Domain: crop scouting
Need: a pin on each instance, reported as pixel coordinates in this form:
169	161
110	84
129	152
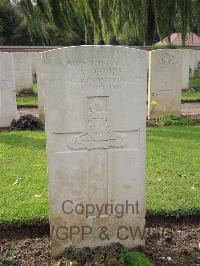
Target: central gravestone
95	104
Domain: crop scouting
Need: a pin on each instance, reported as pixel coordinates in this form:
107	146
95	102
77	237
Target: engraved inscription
99	132
167	59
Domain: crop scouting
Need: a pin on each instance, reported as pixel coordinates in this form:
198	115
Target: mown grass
195	80
194	83
28	97
191	96
23	178
29	100
173	175
35	89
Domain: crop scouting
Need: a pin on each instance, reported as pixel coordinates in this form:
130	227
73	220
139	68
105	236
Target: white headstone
23	70
165	82
191	58
185	69
8	106
95	113
196	58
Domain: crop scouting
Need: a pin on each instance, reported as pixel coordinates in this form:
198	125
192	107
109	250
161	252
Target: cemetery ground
193	93
28	97
191	96
172	191
32	100
172	176
172	173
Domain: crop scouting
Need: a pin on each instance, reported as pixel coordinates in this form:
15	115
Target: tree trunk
149	36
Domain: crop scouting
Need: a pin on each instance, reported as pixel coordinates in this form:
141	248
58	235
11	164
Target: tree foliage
109	21
24	22
13	26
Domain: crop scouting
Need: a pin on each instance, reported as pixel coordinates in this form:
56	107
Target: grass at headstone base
33	100
116	255
28	96
194	83
195	79
191	96
28	100
23	177
173	175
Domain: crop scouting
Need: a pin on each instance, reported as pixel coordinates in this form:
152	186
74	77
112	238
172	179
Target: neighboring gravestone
8	106
196	58
185	69
23	70
95	114
37	65
165	82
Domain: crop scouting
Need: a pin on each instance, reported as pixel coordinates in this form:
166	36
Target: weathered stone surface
185	68
23	70
193	59
8	106
165	82
95	105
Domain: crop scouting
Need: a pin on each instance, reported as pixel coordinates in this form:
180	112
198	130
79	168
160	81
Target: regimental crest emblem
99	133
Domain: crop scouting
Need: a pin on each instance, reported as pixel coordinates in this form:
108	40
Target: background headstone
8	106
191	59
23	70
196	58
95	114
165	82
185	68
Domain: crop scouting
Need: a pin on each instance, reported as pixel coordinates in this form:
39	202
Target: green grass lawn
194	83
191	96
28	100
23	178
35	89
173	175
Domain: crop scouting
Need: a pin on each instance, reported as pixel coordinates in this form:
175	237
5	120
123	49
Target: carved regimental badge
99	134
167	59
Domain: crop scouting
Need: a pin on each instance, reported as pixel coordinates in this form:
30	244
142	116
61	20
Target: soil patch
168	242
21	94
24	111
190	109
